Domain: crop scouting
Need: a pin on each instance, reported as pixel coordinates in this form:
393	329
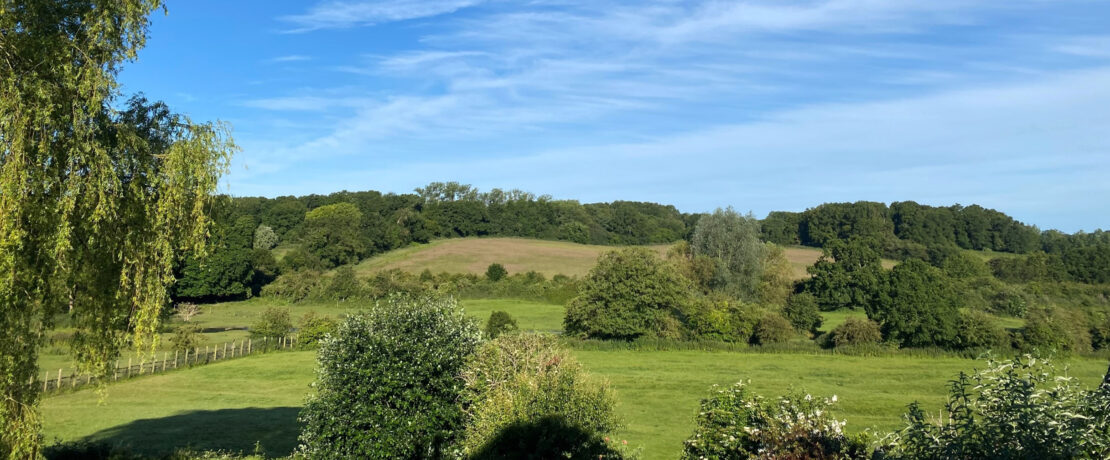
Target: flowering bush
735	423
388	382
1019	409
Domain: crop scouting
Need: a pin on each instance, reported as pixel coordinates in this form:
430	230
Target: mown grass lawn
233	404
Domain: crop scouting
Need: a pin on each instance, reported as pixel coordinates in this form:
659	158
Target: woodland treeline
326	231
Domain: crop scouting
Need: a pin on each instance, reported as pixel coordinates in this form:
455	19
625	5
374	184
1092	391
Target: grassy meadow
233	404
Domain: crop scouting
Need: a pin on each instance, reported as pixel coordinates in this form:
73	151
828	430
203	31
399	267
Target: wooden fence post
249	349
115	371
225	350
45	379
128	367
73	379
175	359
59	385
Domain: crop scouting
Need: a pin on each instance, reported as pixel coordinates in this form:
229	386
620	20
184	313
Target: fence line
180	359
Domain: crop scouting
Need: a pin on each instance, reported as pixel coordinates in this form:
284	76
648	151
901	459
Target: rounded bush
772	328
388	382
495	272
499	323
856	331
802	311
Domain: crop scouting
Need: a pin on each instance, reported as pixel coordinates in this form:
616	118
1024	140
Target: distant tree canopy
732	241
331	233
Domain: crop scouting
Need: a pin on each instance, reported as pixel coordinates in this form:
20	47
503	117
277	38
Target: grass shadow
234	430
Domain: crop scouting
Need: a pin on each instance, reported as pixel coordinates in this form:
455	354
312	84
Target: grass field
227	322
474	255
233	404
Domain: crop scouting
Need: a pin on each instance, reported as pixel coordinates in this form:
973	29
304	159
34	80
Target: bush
802	312
344	284
976	329
495	272
856	332
387	382
526	397
294	286
772	328
314	329
735	423
186	337
274	323
499	323
719	318
1021	409
1055	329
628	294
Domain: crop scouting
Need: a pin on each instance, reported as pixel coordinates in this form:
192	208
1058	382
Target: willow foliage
94	202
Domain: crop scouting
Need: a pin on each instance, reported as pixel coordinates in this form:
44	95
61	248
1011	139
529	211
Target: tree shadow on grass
234	430
547	438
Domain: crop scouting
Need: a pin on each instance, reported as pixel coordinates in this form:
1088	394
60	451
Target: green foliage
919	307
499	323
313	329
1055	329
344	284
526	397
736	423
495	272
772	328
976	329
1037	266
776	281
841	221
294	286
98	197
802	312
265	237
388	382
630	293
274	322
720	318
331	233
186	337
849	274
733	242
1020	409
856	332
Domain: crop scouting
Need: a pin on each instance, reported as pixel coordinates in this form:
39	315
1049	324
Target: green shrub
273	323
314	329
344	284
495	272
976	329
626	295
719	318
294	286
856	332
1021	409
186	337
387	382
526	397
301	259
735	423
772	328
1055	329
499	323
803	313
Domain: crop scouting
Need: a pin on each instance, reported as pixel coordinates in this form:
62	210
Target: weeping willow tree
97	198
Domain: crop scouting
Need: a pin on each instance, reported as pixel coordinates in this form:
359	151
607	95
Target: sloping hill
474	255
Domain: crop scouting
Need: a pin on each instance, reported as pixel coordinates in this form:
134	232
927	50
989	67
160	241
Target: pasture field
474	255
228	322
233	404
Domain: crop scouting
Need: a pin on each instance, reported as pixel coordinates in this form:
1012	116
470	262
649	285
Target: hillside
474	255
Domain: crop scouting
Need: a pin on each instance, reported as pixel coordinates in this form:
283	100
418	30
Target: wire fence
170	360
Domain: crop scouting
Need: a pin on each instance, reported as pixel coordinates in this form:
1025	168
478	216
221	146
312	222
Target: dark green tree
849	274
331	232
918	307
495	272
628	294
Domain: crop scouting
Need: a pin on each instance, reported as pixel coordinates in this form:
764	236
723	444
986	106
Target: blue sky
762	105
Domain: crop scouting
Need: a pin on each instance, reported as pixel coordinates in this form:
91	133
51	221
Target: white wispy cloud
290	58
340	14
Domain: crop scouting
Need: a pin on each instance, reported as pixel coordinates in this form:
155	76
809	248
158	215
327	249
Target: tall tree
733	240
95	204
332	233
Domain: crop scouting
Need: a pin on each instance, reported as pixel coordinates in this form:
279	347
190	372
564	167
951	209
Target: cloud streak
341	15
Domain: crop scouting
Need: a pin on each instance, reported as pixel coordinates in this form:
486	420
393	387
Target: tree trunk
1106	379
